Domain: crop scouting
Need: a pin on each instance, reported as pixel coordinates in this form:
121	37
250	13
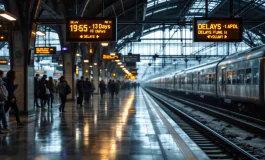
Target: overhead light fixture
86	61
95	64
104	44
86	71
40	33
119	63
122	66
90	66
91	51
78	55
7	16
117	60
61	65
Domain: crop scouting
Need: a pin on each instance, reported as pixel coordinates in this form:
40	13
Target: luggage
79	100
3	93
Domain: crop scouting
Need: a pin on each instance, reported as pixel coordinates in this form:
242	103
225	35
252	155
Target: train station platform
130	126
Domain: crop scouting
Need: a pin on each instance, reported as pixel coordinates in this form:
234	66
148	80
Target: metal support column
103	7
206	8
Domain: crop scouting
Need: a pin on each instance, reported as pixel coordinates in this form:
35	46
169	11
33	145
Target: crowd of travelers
8	99
47	90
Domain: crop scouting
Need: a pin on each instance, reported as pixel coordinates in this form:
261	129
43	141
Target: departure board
45	50
96	29
217	29
3	62
110	56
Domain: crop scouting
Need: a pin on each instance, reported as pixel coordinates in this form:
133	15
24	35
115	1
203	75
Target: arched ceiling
152	13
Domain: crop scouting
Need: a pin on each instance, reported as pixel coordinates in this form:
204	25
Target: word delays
217	30
96	29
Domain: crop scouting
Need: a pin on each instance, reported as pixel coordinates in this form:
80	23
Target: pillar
69	72
21	42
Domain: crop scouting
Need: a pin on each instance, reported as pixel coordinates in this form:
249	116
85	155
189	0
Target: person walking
63	91
102	88
112	88
80	88
117	87
11	99
93	87
36	90
52	89
87	88
44	91
4	95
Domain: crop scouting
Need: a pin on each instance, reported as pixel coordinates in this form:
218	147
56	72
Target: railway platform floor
130	126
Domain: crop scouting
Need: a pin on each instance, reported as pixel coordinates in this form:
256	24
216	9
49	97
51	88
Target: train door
223	85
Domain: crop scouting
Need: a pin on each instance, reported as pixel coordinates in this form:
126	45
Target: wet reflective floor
105	129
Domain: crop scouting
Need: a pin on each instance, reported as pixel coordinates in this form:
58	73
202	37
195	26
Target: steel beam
50	10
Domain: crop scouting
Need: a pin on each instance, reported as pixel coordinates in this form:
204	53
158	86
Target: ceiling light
122	66
117	60
7	16
90	66
119	63
61	65
112	54
95	64
40	33
77	54
86	61
104	44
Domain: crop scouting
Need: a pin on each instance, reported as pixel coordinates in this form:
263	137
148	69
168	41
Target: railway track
212	143
250	124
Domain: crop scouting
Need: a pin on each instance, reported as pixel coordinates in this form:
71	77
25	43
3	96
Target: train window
248	77
229	77
234	77
208	79
202	79
194	79
255	74
213	78
240	76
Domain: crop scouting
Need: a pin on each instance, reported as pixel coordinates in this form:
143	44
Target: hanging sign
99	29
45	50
217	30
132	58
110	56
3	62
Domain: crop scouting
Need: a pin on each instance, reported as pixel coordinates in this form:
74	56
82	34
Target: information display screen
3	62
132	58
96	29
110	56
217	30
45	50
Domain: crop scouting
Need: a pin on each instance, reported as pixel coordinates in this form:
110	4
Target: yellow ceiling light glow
7	15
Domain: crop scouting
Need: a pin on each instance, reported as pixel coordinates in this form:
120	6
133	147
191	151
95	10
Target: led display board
217	29
3	62
45	50
110	56
3	36
132	58
96	29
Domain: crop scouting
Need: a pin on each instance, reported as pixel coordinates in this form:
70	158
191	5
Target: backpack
3	93
68	89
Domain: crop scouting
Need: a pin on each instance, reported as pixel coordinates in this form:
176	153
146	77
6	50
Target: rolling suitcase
79	100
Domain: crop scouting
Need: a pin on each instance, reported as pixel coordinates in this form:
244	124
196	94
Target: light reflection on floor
104	129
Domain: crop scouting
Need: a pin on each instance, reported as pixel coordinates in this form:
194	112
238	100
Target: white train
237	79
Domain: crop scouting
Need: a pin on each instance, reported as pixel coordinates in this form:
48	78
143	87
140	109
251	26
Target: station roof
141	17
